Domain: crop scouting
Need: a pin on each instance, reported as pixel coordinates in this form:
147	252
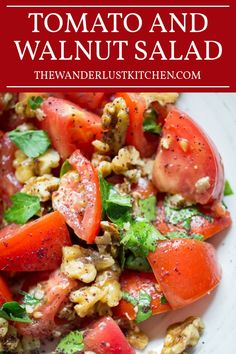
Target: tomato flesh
78	198
133	282
105	337
35	246
187	161
185	269
5	293
69	126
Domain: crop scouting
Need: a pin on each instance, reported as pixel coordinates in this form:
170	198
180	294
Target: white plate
216	113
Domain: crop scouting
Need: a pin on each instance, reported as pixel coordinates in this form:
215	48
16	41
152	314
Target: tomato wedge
69	126
78	198
145	143
187	161
5	293
35	246
105	337
185	269
206	225
133	282
88	100
56	289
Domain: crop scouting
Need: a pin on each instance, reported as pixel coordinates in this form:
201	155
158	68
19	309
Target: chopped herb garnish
29	299
34	102
32	142
104	190
23	208
150	124
163	300
143	304
137	263
71	343
183	234
147	208
228	190
13	311
141	238
66	166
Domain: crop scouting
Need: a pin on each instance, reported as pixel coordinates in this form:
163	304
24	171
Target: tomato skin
69	126
57	289
35	246
105	337
88	100
5	293
83	188
145	188
185	269
199	224
179	167
145	143
9	183
133	282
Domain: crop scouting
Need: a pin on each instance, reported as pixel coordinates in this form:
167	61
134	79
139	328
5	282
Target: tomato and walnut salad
106	204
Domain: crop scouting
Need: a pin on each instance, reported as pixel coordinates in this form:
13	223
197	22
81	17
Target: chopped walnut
7	101
42	186
183	335
202	184
162	97
23	108
137	338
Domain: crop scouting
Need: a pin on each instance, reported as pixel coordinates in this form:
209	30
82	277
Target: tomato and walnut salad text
106	203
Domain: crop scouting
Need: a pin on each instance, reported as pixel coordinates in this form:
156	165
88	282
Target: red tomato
69	126
105	337
56	289
34	246
78	198
145	143
87	100
133	282
185	156
199	224
9	184
5	293
185	269
145	188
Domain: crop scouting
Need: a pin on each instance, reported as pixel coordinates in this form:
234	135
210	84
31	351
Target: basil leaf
116	198
137	263
29	299
24	207
147	208
66	166
228	190
13	311
141	238
104	190
32	142
71	343
34	102
150	124
163	300
144	307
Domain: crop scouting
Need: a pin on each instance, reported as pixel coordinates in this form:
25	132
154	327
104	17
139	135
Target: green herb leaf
183	234
29	299
228	190
66	166
24	207
144	307
32	142
104	190
129	298
119	199
141	238
71	343
13	311
176	216
34	102
163	300
147	208
137	263
150	124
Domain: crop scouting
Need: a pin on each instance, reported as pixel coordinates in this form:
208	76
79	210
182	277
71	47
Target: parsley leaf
29	299
141	238
32	142
163	300
13	311
143	304
150	124
24	207
66	166
137	263
71	343
228	190
183	234
147	208
34	102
